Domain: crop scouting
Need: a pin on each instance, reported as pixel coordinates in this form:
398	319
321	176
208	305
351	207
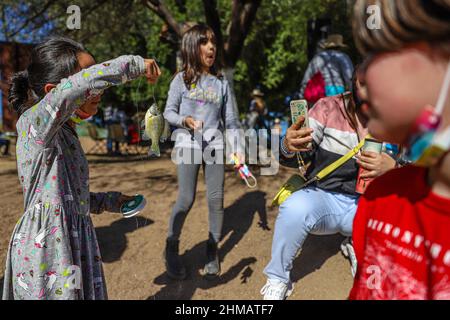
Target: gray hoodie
209	100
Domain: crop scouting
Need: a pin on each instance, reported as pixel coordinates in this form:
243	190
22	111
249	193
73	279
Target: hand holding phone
299	111
299	108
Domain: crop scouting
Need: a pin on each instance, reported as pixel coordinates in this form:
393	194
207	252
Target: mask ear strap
444	92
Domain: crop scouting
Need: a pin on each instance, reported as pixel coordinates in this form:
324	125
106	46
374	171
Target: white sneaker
349	252
276	290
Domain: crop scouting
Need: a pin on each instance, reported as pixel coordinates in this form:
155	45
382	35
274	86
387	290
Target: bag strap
324	172
335	165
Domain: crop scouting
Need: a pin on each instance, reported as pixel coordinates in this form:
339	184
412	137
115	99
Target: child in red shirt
401	231
401	239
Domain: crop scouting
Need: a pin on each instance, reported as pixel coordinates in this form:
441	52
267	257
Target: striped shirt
333	137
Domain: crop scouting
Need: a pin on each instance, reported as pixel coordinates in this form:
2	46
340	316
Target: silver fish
156	129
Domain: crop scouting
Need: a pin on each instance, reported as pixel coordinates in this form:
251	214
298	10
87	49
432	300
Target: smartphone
300	108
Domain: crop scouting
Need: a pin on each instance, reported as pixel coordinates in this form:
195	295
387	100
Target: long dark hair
50	62
356	98
190	52
355	102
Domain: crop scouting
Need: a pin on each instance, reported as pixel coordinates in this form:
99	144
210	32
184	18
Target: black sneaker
174	265
212	266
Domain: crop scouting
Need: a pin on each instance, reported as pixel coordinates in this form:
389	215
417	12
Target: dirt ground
132	248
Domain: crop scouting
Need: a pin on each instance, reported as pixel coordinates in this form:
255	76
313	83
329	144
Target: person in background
122	119
4	143
110	118
257	111
329	72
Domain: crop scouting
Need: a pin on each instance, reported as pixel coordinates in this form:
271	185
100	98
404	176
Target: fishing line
136	102
136	98
153	92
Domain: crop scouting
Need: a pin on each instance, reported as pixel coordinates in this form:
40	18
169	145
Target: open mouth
210	57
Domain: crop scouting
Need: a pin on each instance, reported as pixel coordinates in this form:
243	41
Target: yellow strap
323	173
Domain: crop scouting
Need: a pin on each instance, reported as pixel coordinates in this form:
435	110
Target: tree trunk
243	15
229	76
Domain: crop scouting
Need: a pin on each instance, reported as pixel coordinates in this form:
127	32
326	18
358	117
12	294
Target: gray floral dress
53	253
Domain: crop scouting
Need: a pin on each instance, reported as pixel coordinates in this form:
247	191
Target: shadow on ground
112	239
237	221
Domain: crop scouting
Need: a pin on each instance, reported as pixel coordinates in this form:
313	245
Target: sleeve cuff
284	151
135	66
140	65
112	202
182	122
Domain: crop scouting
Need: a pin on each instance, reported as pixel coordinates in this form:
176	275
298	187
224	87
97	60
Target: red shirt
401	237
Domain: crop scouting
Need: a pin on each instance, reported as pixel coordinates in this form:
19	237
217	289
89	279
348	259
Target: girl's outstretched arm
48	115
105	201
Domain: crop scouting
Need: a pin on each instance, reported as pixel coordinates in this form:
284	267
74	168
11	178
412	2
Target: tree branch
158	7
181	4
4	23
32	18
213	20
242	16
86	13
94	7
4	86
42	23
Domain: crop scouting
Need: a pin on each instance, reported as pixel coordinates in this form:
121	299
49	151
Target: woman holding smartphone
337	125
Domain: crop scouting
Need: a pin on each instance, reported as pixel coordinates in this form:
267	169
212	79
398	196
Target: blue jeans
187	189
307	211
109	141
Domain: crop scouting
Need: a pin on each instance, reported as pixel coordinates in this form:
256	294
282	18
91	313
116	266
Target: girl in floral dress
53	253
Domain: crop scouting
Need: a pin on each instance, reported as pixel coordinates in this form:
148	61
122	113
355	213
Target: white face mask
426	146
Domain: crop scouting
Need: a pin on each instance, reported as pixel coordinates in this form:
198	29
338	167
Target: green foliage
274	55
121	27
